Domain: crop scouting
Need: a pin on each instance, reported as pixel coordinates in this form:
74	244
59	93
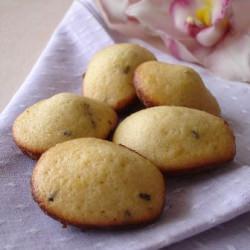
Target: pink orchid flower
212	33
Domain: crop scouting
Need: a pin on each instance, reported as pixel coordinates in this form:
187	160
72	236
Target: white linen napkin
194	203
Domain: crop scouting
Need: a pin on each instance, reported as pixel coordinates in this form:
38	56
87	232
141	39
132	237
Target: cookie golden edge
119	106
199	167
151	102
146	100
192	168
112	225
206	164
35	154
124	103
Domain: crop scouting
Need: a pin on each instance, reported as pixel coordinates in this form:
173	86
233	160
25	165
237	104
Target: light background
25	28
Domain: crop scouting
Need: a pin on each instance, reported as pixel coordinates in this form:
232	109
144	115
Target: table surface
25	28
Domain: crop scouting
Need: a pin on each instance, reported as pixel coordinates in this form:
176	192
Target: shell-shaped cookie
177	139
159	83
61	118
93	183
109	76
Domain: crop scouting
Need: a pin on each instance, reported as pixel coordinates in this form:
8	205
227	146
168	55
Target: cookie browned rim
35	154
112	225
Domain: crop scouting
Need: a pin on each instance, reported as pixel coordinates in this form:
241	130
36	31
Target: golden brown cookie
92	183
177	139
61	118
159	83
109	76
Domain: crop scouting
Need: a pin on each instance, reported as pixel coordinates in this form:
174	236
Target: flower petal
152	14
180	10
210	36
114	11
177	49
221	9
241	17
114	14
227	61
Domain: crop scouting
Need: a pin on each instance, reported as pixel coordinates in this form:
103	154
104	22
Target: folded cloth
194	204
